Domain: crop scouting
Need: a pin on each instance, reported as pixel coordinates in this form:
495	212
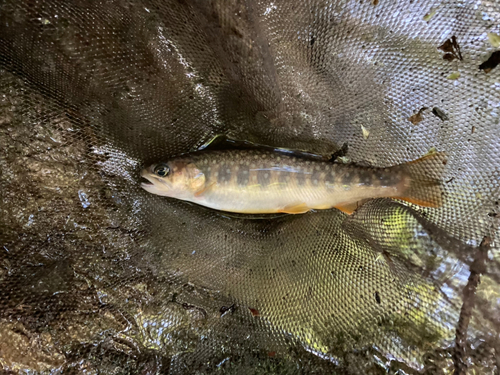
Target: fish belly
274	201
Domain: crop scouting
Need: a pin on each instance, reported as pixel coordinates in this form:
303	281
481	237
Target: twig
476	269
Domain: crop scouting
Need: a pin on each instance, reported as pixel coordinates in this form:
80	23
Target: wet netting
97	276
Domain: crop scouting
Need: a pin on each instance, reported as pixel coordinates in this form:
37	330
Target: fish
265	182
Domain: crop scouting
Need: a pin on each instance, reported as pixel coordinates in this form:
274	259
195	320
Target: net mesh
98	276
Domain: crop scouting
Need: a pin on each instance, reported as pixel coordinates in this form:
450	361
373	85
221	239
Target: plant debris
431	14
365	131
417	117
491	63
452	49
254	312
453	76
439	113
494	39
226	310
340	152
377	297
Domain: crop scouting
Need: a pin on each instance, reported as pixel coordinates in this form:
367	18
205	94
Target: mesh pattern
98	276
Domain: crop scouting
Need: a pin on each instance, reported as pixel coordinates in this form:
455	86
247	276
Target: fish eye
162	170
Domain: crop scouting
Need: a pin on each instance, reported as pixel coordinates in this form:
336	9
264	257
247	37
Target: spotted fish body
251	181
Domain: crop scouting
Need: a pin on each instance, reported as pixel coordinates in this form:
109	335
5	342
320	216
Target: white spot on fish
228	171
216	174
245	172
315	182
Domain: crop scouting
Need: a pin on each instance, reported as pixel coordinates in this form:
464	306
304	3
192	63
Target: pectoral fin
298	208
206	188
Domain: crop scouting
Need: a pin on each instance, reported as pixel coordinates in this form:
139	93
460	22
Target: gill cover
195	178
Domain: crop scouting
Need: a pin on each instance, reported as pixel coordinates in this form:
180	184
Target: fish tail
426	175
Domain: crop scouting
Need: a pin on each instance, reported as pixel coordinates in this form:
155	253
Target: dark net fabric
98	276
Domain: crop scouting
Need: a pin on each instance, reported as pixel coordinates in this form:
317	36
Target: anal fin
298	208
347	208
433	203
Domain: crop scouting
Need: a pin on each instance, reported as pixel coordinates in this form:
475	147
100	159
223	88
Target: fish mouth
145	182
153	185
145	179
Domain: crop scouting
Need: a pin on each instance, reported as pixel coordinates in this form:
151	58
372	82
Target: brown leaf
416	118
491	63
446	46
254	312
452	49
449	57
457	47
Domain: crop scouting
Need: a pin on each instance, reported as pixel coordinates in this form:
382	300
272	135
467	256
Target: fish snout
145	177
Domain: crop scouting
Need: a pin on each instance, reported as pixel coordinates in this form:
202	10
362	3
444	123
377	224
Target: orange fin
204	190
418	202
425	175
432	157
347	208
350	207
299	208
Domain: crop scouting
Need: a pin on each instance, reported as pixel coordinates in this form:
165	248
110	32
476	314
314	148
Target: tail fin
425	180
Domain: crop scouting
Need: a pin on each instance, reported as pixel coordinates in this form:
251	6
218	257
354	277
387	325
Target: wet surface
97	276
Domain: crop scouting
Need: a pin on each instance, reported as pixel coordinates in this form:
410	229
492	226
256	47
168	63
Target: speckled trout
259	182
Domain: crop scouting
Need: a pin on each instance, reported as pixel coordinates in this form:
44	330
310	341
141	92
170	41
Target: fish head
177	179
